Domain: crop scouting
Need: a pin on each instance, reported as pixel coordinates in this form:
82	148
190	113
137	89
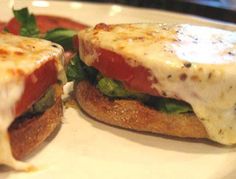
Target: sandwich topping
189	63
28	67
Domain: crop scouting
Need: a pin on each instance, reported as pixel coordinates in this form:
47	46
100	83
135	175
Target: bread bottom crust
132	114
27	134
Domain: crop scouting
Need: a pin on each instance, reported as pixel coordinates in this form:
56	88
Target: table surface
224	10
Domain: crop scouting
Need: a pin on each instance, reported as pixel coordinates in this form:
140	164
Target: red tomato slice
45	23
35	85
115	66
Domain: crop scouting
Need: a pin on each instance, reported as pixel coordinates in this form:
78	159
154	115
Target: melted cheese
193	63
19	57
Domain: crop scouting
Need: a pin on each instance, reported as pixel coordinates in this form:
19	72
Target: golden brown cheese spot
24	54
17	72
195	78
19	53
3	52
103	27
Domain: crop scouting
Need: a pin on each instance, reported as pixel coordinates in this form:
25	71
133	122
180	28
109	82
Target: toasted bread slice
132	114
28	134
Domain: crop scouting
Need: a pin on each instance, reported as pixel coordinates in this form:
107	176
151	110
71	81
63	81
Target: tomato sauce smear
45	23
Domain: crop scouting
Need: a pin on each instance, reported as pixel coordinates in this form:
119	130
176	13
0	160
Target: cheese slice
194	63
19	57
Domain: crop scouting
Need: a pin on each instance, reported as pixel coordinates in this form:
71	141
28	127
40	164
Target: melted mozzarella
19	57
193	63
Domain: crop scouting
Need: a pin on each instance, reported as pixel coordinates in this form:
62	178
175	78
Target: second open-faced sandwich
178	80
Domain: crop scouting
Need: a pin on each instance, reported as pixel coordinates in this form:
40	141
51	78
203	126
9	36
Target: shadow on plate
230	175
185	145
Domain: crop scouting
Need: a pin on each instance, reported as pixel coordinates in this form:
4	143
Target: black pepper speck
231	53
163	93
55	46
209	75
220	131
188	64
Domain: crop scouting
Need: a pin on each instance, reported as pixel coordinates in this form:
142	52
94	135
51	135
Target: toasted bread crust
132	114
27	134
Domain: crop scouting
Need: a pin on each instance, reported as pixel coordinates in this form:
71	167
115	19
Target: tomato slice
45	23
35	85
114	66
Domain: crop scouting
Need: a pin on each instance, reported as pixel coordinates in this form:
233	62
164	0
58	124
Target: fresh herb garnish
62	36
5	29
75	70
78	71
115	89
28	27
171	105
27	21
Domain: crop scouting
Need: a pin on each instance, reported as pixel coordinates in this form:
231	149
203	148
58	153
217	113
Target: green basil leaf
61	36
172	105
115	89
21	15
27	21
75	70
78	71
5	29
44	102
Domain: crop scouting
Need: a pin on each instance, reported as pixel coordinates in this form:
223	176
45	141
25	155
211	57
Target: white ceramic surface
84	148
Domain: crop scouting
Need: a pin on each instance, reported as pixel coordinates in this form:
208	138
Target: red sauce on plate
47	22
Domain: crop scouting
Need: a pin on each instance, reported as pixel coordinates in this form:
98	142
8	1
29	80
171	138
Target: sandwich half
31	78
178	80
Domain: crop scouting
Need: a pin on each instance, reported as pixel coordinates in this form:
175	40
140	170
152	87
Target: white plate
84	148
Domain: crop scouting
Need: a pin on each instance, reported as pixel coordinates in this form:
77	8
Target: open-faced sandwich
178	80
32	77
30	95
